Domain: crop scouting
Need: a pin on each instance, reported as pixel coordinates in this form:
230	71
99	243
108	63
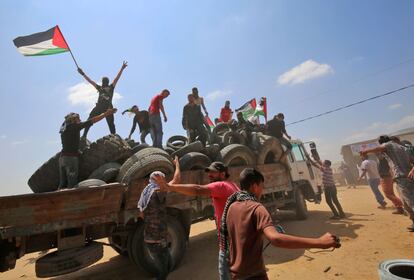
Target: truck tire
106	149
123	251
236	155
70	260
233	137
177	243
145	166
169	150
106	172
139	147
269	150
194	161
195	146
301	210
221	128
90	183
211	151
46	177
145	152
177	141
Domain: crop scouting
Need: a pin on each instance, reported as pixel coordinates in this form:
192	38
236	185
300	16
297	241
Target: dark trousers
199	131
162	258
99	109
285	142
68	171
144	134
332	201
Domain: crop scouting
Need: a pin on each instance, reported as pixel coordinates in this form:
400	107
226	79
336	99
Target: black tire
301	209
169	150
115	244
237	155
131	142
137	157
177	142
106	172
139	147
46	177
90	183
233	137
211	151
194	161
221	128
177	246
110	148
145	166
269	150
195	146
66	261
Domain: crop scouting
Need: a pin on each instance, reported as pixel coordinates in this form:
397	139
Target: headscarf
149	190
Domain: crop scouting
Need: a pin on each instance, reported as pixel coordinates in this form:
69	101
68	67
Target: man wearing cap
219	189
70	135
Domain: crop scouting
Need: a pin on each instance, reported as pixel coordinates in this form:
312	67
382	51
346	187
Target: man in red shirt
226	113
155	118
219	189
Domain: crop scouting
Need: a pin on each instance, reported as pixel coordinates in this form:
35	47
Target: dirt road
369	236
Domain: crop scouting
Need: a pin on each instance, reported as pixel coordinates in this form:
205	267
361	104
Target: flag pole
74	60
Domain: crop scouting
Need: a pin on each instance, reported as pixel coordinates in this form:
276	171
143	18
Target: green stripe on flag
50	51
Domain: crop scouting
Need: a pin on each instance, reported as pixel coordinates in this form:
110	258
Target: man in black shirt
142	119
106	93
70	135
244	127
193	121
276	128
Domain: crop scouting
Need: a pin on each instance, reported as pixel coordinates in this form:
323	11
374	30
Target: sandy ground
369	236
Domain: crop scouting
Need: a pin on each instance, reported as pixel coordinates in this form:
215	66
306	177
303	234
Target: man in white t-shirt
370	170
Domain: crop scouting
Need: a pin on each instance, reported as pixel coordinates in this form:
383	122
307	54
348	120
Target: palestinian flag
248	109
261	109
42	43
209	122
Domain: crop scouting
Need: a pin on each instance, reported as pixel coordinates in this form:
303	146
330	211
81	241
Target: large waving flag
209	122
247	109
42	43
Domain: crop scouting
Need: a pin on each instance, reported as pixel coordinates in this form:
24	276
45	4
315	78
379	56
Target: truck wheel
116	243
145	166
139	147
106	172
221	128
177	141
301	210
211	151
233	137
195	146
236	155
46	177
110	148
137	157
70	260
177	244
269	150
169	150
194	161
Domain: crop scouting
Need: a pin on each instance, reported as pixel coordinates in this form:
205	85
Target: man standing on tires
142	119
193	121
219	189
155	118
276	128
106	93
70	136
246	221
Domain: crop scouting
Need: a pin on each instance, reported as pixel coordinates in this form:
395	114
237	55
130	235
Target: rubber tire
145	166
177	249
237	155
138	156
194	161
387	269
182	141
195	146
269	150
90	183
66	261
106	172
139	147
301	209
233	137
211	151
121	252
169	150
110	148
46	177
221	128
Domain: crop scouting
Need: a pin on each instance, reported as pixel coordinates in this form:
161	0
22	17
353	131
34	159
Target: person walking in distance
246	221
70	137
142	119
106	93
154	110
330	189
370	170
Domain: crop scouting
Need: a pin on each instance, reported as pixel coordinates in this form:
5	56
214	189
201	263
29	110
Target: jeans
374	183
331	199
162	259
223	266
68	171
406	190
144	134
156	130
197	131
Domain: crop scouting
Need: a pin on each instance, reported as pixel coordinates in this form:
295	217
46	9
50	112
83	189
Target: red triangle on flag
58	40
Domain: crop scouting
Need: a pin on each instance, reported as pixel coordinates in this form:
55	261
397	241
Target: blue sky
306	57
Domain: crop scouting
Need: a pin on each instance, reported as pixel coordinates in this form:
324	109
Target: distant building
350	152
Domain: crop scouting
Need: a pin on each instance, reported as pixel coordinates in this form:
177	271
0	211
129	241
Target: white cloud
86	95
394	106
306	71
217	94
375	129
19	142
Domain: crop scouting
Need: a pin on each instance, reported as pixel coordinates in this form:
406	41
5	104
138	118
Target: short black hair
328	162
280	115
250	176
383	139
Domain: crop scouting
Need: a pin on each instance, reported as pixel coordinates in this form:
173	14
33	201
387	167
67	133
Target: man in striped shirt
330	189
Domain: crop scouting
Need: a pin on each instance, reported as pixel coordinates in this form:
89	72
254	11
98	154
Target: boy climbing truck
69	223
